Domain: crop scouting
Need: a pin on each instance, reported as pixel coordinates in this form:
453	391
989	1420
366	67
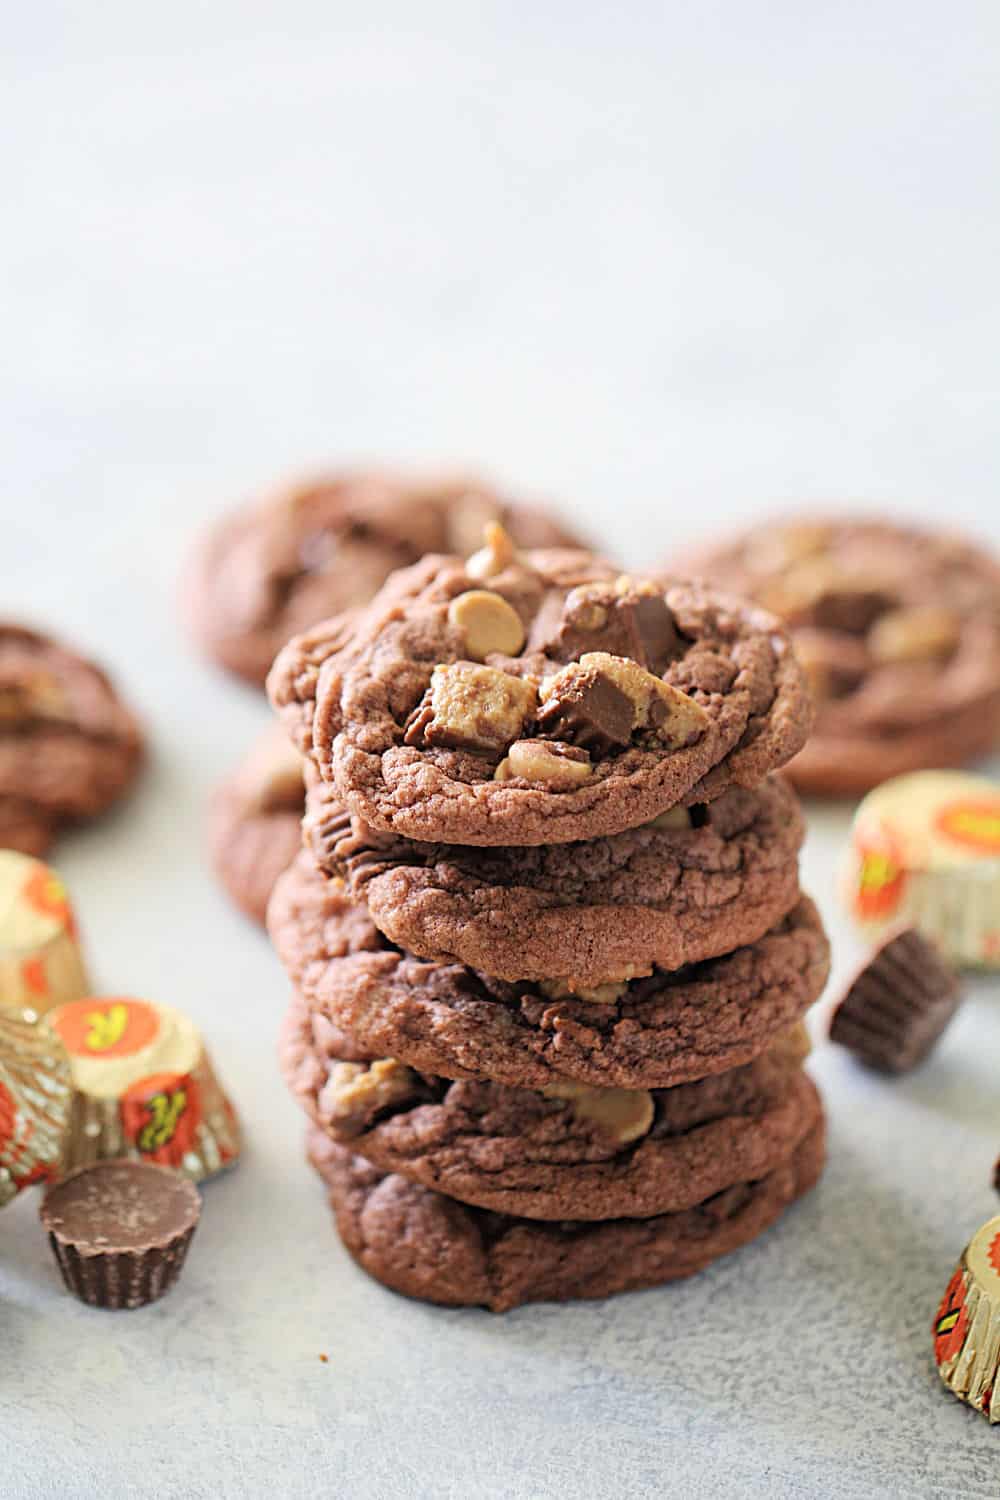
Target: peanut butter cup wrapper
41	965
36	1095
967	1326
925	851
120	1231
144	1087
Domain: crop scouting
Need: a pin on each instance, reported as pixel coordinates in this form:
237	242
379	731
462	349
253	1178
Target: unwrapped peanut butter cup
35	1102
898	1005
120	1231
40	961
144	1087
925	851
967	1326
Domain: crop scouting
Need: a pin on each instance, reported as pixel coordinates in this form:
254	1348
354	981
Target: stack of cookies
549	951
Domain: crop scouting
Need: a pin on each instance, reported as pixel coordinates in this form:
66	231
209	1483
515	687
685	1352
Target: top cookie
275	568
539	698
68	746
898	630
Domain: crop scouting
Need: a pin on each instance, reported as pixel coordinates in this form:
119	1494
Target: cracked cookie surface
626	697
455	1021
898	630
426	1245
565	1151
273	569
69	747
690	885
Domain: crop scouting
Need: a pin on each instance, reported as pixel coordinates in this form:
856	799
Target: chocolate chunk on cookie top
539	698
318	548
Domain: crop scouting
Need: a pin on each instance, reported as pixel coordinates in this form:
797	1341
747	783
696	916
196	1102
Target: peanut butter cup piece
897	1008
121	1230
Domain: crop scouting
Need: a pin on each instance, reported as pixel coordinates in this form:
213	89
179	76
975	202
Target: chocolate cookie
68	746
450	1020
315	549
688	886
898	629
566	1150
255	821
425	1245
541	698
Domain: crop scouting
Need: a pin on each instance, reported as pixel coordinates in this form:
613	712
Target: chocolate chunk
633	623
471	707
120	1231
655	630
588	709
895	1010
835	664
852	610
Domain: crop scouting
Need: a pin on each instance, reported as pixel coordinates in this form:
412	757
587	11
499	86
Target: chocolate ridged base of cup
898	1005
122	1279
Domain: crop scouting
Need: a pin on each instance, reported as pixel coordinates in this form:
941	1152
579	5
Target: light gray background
672	264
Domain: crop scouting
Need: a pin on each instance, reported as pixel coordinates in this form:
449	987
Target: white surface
671	265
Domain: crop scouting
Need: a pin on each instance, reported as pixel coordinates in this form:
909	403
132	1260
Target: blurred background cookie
254	821
898	629
269	571
69	747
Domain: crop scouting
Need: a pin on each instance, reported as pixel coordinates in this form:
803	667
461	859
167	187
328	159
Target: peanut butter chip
470	707
595	994
546	761
279	782
626	1113
38	696
674	817
488	622
584	608
793	1045
918	634
498	553
356	1092
771	550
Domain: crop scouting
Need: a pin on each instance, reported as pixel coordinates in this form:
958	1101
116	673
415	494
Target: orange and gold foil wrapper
143	1087
967	1326
925	851
40	961
36	1097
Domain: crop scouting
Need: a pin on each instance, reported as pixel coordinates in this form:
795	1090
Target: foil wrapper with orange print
966	1329
36	1097
925	851
40	961
144	1087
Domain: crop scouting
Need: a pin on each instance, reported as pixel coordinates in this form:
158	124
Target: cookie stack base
424	1245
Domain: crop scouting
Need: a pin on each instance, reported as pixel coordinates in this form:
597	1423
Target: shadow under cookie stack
549	953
